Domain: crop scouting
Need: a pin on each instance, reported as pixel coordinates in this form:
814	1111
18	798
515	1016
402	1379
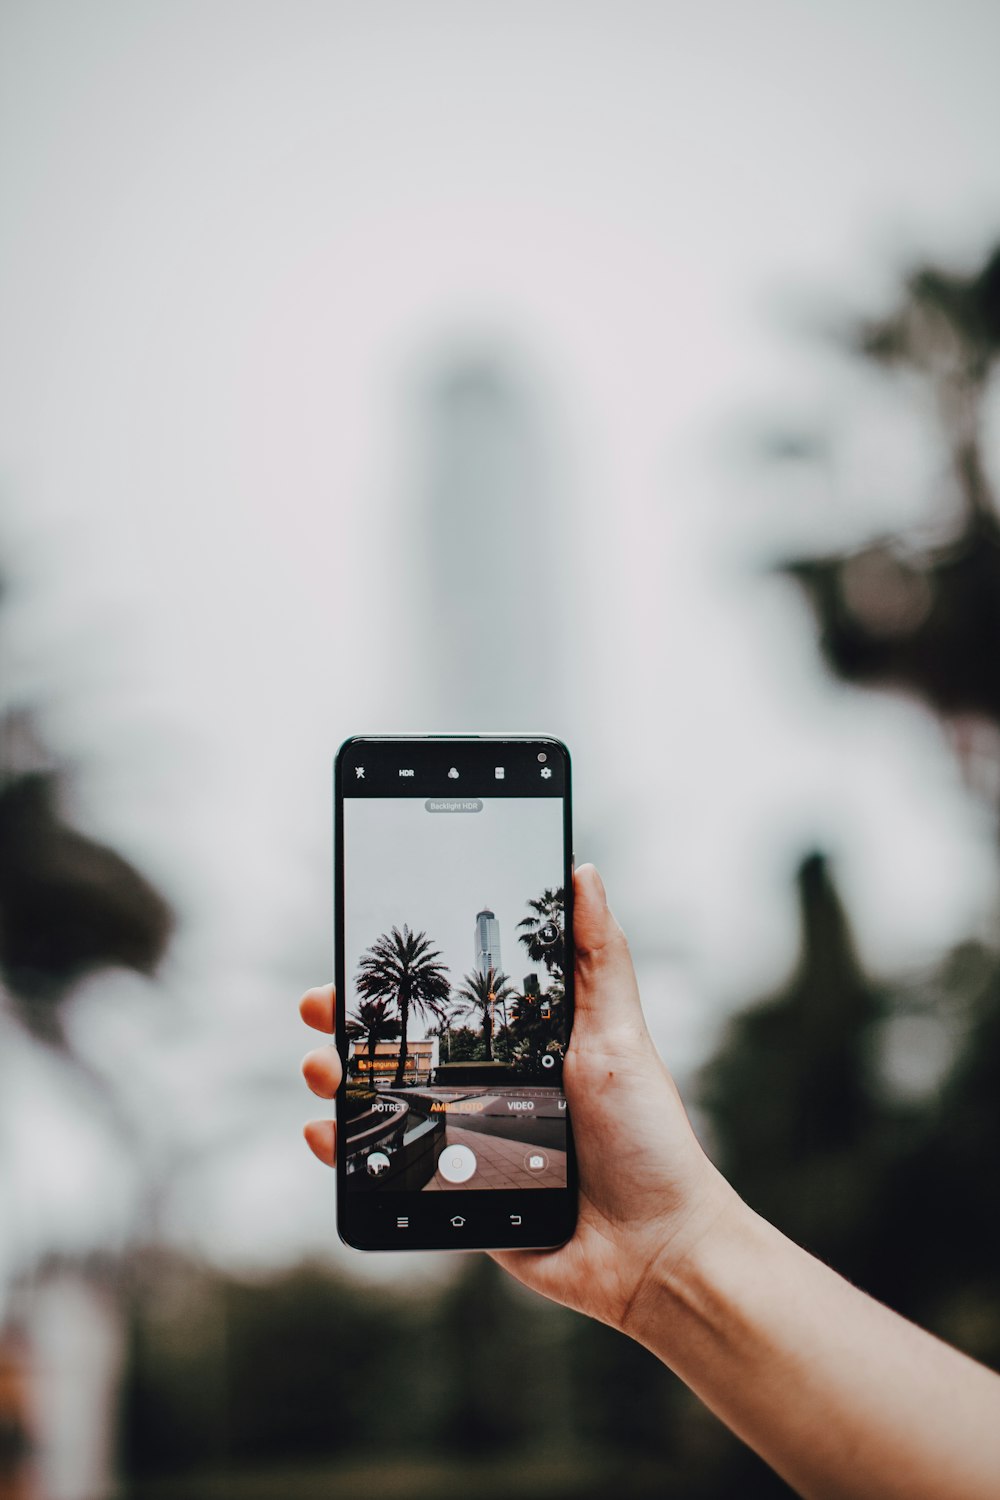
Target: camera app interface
455	989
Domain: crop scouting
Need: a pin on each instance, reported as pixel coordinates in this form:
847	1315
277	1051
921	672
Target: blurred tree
935	1227
895	614
17	1417
275	1384
927	619
494	1394
68	905
226	1374
624	1400
896	1195
792	1091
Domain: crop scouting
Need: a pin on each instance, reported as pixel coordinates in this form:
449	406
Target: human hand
648	1193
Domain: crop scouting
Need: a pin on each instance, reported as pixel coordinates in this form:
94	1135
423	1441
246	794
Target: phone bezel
366	1221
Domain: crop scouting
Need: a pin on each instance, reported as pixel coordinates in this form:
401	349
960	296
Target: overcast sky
240	243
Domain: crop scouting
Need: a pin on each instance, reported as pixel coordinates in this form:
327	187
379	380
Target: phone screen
454	986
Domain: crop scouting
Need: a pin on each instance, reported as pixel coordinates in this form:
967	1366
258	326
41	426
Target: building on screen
421	1060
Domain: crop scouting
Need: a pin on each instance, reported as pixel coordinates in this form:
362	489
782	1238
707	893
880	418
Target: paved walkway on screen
501	1164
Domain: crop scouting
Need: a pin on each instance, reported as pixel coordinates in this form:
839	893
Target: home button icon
457	1222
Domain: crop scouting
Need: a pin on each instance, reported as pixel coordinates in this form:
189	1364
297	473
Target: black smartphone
454	974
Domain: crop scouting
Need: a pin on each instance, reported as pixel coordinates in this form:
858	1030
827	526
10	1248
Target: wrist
687	1273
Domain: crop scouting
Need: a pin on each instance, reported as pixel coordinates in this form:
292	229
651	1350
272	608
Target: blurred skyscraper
492	590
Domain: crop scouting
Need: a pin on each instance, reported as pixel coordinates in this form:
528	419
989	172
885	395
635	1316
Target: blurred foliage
311	1372
897	613
793	1093
898	1193
68	905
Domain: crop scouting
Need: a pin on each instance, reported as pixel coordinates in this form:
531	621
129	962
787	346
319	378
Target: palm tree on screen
479	994
549	907
373	1022
404	970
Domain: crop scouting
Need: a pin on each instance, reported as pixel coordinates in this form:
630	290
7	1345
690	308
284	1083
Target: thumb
607	993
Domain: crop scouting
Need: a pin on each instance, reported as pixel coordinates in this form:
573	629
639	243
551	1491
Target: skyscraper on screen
487	942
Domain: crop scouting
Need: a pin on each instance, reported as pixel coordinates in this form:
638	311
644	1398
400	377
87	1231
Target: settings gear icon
546	772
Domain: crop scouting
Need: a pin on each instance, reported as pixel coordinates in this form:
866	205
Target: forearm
841	1396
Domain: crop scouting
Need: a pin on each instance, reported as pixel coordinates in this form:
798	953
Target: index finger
317	1008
